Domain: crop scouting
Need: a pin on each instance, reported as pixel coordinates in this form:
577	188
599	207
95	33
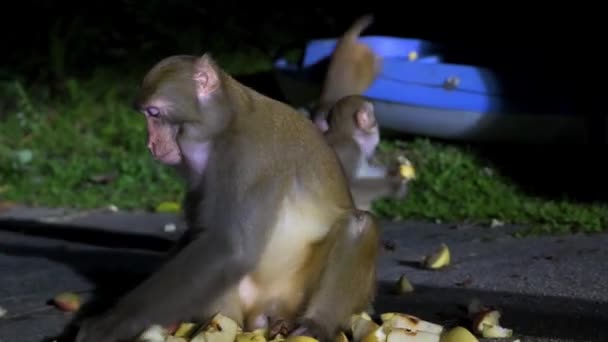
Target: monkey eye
152	111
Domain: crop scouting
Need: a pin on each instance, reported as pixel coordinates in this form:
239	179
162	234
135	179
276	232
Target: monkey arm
349	155
189	284
366	190
184	286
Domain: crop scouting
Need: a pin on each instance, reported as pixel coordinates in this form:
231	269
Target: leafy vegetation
454	185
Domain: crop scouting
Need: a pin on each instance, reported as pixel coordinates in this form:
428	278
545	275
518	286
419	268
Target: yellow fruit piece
485	318
260	331
404	335
67	301
362	326
220	329
487	323
458	334
439	258
496	331
185	330
393	320
412	56
403	286
301	339
154	333
250	337
376	335
168	207
407	171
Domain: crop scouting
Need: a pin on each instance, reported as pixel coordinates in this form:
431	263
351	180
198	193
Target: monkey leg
347	284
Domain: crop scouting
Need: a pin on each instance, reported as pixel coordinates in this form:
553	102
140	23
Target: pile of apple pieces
399	327
395	327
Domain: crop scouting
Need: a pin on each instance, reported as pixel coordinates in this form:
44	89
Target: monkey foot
280	327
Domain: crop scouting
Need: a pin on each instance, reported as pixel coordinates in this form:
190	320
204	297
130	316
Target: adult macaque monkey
353	67
274	230
354	134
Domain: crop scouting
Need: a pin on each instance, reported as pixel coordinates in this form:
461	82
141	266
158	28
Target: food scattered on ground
155	333
458	334
409	322
438	259
487	324
220	329
403	286
185	330
391	327
67	301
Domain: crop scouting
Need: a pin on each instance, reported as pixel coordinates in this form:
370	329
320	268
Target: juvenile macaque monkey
353	67
274	233
354	134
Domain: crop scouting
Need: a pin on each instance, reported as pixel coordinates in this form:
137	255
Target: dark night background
133	34
46	42
73	65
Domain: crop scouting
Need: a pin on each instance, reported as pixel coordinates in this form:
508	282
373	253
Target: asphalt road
548	288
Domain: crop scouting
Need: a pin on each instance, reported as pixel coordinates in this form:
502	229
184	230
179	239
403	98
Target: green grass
454	185
89	133
56	150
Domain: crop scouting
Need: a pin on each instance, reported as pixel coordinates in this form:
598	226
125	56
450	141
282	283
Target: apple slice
185	330
406	168
301	339
404	335
67	301
220	329
251	336
458	334
487	323
496	331
403	286
395	320
377	334
155	333
438	259
362	326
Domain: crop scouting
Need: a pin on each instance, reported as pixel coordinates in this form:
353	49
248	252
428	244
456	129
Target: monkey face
177	93
162	138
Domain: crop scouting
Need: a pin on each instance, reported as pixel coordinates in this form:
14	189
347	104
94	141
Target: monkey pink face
162	138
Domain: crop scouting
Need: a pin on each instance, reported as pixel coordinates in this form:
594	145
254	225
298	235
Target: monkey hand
110	327
400	187
398	183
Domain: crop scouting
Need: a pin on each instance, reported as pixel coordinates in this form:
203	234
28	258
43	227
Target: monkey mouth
169	157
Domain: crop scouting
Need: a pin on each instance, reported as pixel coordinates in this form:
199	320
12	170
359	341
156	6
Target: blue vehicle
417	93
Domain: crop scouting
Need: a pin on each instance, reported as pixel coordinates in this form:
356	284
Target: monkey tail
359	26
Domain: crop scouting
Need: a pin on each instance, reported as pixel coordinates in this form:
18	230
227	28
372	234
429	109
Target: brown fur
273	230
352	69
354	134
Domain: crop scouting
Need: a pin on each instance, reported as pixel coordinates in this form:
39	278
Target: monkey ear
205	76
365	116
